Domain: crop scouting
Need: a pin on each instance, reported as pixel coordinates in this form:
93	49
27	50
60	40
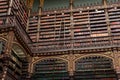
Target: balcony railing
43	47
10	21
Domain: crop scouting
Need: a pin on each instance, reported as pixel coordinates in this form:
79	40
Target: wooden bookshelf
94	26
52	69
114	16
32	31
13	15
95	67
3	7
81	28
15	66
3	11
25	69
54	28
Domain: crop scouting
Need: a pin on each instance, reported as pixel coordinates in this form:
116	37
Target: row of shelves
25	65
15	63
13	9
13	75
3	10
95	13
17	67
51	69
18	9
51	65
78	30
3	7
101	74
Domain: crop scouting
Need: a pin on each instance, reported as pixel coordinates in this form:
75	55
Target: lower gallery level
103	66
18	65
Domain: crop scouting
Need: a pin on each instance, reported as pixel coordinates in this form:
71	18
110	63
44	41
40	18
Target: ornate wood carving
9	42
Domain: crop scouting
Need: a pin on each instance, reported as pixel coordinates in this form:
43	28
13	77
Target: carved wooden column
6	55
39	18
29	58
71	63
29	67
27	27
72	23
10	2
9	42
107	20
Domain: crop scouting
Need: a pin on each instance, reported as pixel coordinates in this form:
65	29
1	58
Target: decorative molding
4	36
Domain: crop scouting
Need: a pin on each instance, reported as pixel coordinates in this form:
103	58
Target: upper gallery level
76	26
71	25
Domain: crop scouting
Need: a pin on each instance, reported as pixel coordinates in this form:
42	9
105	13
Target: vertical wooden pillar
30	4
107	20
10	6
10	3
8	49
72	23
38	28
29	67
39	17
27	27
9	42
71	63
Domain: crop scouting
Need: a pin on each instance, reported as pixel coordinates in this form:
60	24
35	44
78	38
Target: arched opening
18	63
51	69
94	68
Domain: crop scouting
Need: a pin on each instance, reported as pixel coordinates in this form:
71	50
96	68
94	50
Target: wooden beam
30	5
107	19
72	22
39	15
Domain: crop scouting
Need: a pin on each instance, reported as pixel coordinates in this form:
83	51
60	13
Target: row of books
13	8
3	10
19	10
94	67
25	70
99	75
15	66
52	69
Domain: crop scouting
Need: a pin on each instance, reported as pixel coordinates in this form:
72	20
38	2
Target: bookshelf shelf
94	67
53	69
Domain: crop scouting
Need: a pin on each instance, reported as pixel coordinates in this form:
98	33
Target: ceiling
64	4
